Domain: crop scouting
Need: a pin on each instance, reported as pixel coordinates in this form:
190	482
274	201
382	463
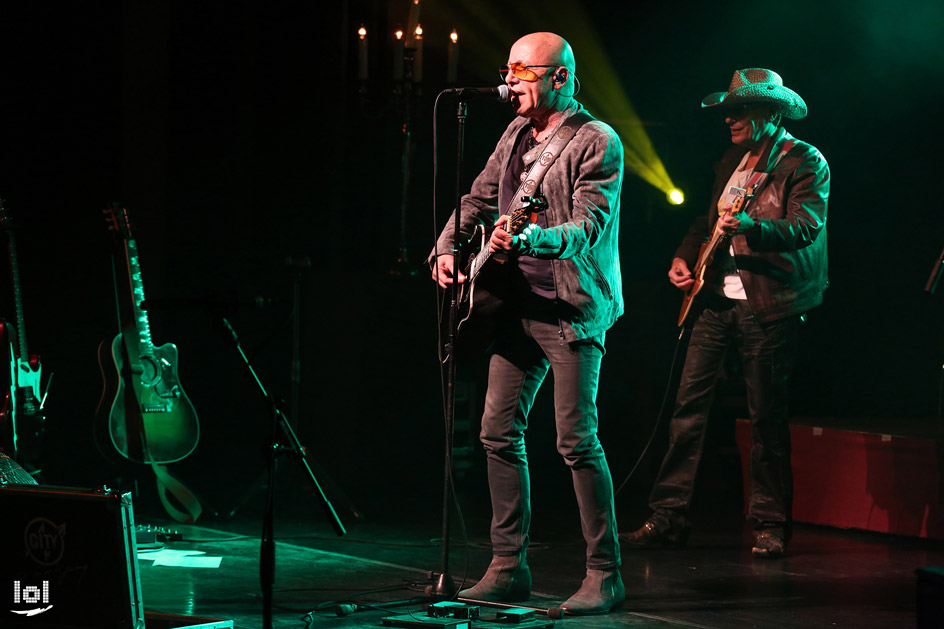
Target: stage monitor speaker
930	603
69	559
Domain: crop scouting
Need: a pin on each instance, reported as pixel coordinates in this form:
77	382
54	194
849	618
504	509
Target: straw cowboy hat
757	85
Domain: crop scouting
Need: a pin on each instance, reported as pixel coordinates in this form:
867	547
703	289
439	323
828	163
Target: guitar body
706	255
487	286
144	412
699	276
479	302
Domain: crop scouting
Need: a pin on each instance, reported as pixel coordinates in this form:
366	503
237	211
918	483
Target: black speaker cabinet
930	604
68	559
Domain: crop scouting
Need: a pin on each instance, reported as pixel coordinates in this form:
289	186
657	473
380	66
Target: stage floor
830	578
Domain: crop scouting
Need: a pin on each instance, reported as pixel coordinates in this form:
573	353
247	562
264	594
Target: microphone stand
931	284
444	587
929	287
295	448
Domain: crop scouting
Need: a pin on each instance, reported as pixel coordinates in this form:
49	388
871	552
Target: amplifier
68	559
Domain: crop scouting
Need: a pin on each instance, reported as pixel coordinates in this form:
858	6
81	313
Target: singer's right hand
680	275
444	271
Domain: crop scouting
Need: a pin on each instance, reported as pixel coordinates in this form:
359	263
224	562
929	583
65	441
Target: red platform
853	479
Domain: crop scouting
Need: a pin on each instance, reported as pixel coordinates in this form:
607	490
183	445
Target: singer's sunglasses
521	71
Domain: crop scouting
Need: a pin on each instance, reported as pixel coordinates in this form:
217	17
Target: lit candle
362	53
398	55
418	55
452	65
412	22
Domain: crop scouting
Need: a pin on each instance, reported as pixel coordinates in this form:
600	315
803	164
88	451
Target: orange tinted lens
520	71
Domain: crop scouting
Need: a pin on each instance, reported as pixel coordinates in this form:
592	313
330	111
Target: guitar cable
661	413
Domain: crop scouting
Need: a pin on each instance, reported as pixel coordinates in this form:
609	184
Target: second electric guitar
144	411
22	415
706	256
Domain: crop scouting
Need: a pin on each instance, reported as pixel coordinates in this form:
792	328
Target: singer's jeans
522	354
767	353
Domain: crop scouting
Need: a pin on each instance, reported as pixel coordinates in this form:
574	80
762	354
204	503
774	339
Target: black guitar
144	412
22	414
481	297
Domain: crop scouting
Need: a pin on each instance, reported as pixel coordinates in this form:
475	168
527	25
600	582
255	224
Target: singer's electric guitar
706	256
22	418
144	412
481	296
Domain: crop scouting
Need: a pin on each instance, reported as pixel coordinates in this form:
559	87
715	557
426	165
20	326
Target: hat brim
789	102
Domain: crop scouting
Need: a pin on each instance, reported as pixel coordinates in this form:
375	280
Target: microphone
501	92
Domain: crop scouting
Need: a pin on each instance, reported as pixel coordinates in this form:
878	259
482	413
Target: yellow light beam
490	34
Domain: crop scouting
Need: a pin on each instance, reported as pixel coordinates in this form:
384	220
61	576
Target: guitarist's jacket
782	260
582	188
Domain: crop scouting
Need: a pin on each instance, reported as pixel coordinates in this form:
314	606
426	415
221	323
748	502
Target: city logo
45	541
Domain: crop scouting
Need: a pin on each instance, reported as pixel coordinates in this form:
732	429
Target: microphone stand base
443	587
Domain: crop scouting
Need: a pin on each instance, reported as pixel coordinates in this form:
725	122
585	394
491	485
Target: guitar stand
276	450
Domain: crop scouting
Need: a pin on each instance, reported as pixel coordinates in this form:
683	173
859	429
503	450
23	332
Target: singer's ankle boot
600	592
508	579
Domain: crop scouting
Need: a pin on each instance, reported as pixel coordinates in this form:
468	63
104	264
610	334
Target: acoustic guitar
481	296
706	255
143	412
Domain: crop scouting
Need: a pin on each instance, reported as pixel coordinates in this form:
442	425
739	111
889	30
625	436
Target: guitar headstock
521	216
116	218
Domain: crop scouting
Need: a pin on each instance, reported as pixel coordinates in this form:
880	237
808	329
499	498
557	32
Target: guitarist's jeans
523	352
767	353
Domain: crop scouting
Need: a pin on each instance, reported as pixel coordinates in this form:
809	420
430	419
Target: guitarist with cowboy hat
770	269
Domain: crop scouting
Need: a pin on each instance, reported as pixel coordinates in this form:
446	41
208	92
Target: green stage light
676	197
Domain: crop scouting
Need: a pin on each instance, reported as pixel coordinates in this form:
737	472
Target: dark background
240	141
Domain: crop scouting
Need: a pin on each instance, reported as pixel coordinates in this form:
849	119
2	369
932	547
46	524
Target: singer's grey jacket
582	188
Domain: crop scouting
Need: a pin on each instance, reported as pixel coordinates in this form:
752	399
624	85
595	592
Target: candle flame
398	33
362	32
454	36
419	31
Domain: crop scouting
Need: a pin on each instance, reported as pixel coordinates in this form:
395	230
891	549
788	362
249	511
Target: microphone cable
660	415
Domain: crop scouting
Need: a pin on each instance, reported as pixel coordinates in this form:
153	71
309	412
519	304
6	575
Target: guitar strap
759	177
167	484
548	152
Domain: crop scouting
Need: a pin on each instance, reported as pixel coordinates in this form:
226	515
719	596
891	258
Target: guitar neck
17	299
145	347
478	262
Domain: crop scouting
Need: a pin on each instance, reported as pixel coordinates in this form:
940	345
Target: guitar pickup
155	408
